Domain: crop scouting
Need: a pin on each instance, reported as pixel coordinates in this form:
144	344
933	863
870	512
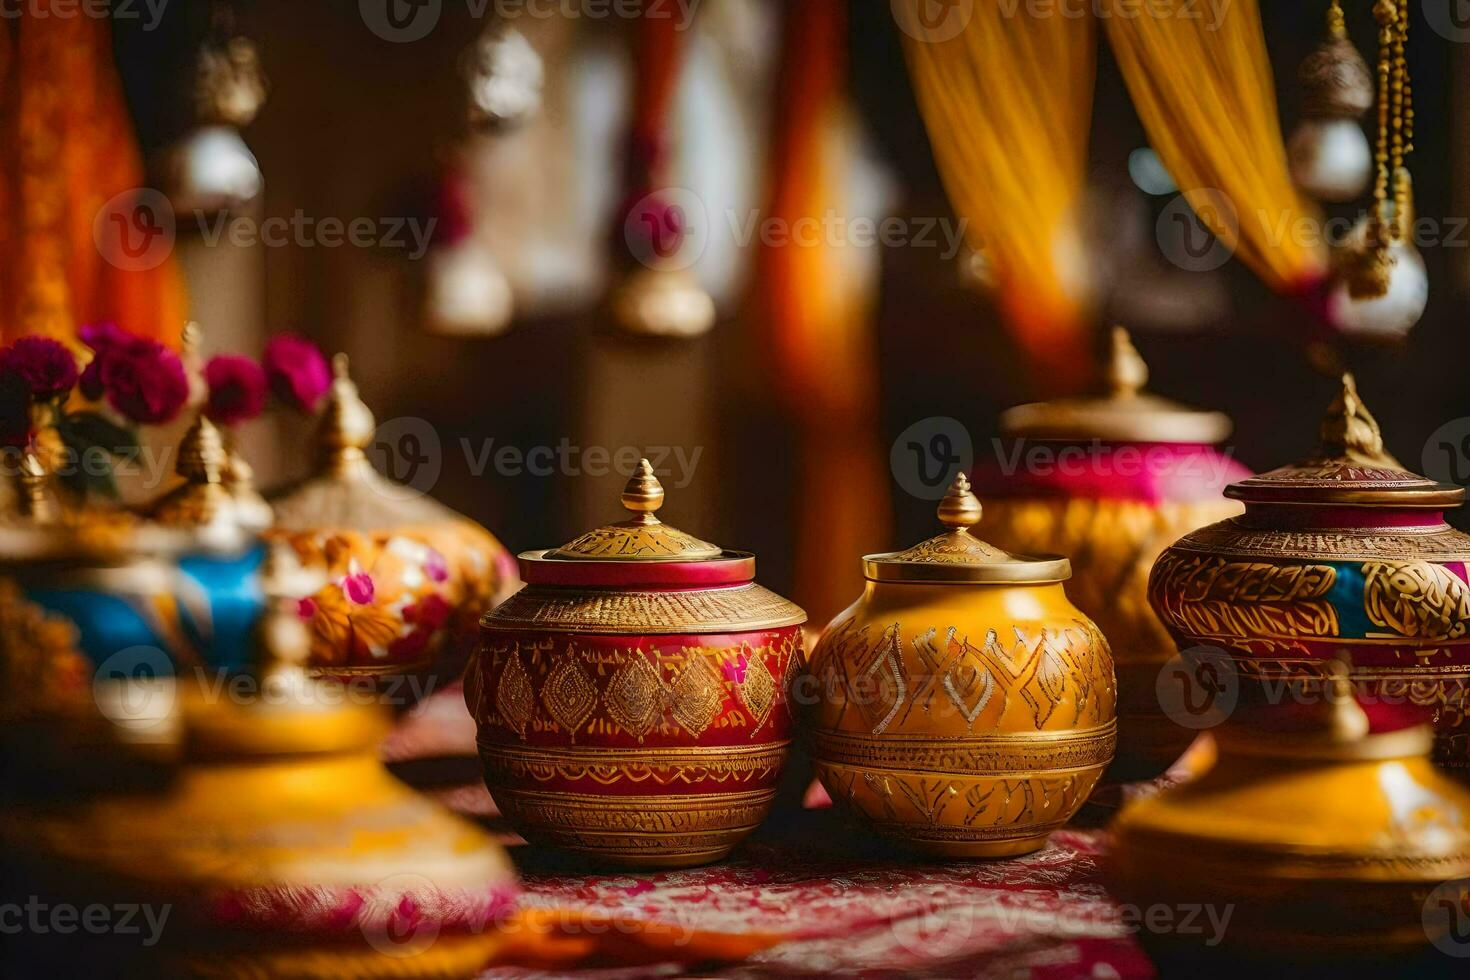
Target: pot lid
958	556
345	491
641	538
1349	467
1126	413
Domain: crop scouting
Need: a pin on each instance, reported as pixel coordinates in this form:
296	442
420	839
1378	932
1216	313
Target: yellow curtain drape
1203	87
1007	102
66	150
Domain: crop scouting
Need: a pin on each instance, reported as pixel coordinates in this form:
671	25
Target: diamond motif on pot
698	694
758	691
633	698
569	694
513	696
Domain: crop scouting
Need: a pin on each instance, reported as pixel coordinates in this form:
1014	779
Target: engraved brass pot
402	579
1345	556
1110	482
963	705
632	700
1315	843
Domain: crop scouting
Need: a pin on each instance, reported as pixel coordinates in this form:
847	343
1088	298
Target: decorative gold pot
632	700
1114	480
1343	557
1313	843
963	706
402	579
279	846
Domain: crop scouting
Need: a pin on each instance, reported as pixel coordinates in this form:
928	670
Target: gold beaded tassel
1369	278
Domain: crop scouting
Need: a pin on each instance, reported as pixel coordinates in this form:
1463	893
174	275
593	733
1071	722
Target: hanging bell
660	302
503	77
467	295
1329	154
211	170
1380	291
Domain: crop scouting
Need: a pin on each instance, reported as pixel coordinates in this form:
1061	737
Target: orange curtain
66	150
1007	100
814	305
1203	88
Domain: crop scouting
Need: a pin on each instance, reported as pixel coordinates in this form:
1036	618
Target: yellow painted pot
962	706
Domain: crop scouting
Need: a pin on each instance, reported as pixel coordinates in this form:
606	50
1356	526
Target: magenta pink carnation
237	389
297	370
46	368
142	379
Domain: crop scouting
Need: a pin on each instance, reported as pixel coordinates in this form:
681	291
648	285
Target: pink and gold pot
633	699
1111	481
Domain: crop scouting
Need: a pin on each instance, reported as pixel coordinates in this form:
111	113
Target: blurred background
362	125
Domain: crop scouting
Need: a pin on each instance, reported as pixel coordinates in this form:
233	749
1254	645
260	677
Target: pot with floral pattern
1119	478
633	699
1346	557
402	578
964	706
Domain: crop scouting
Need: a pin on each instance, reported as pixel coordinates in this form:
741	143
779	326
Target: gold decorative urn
1343	557
633	699
1309	843
963	706
1110	481
402	579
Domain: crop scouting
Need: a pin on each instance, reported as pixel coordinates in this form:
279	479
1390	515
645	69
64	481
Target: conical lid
202	505
346	492
643	537
1349	467
1126	413
958	556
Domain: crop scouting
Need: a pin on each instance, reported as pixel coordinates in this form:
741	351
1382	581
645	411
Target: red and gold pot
1110	482
1342	557
402	579
633	699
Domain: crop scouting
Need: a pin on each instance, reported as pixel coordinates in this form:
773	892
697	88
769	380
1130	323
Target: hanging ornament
211	170
1329	154
468	295
657	294
1382	286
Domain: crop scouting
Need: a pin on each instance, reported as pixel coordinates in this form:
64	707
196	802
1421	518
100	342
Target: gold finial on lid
1350	431
1127	372
203	500
1348	722
644	494
347	424
960	509
33	500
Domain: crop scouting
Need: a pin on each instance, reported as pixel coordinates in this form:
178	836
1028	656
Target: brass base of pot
436	958
636	831
974	850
